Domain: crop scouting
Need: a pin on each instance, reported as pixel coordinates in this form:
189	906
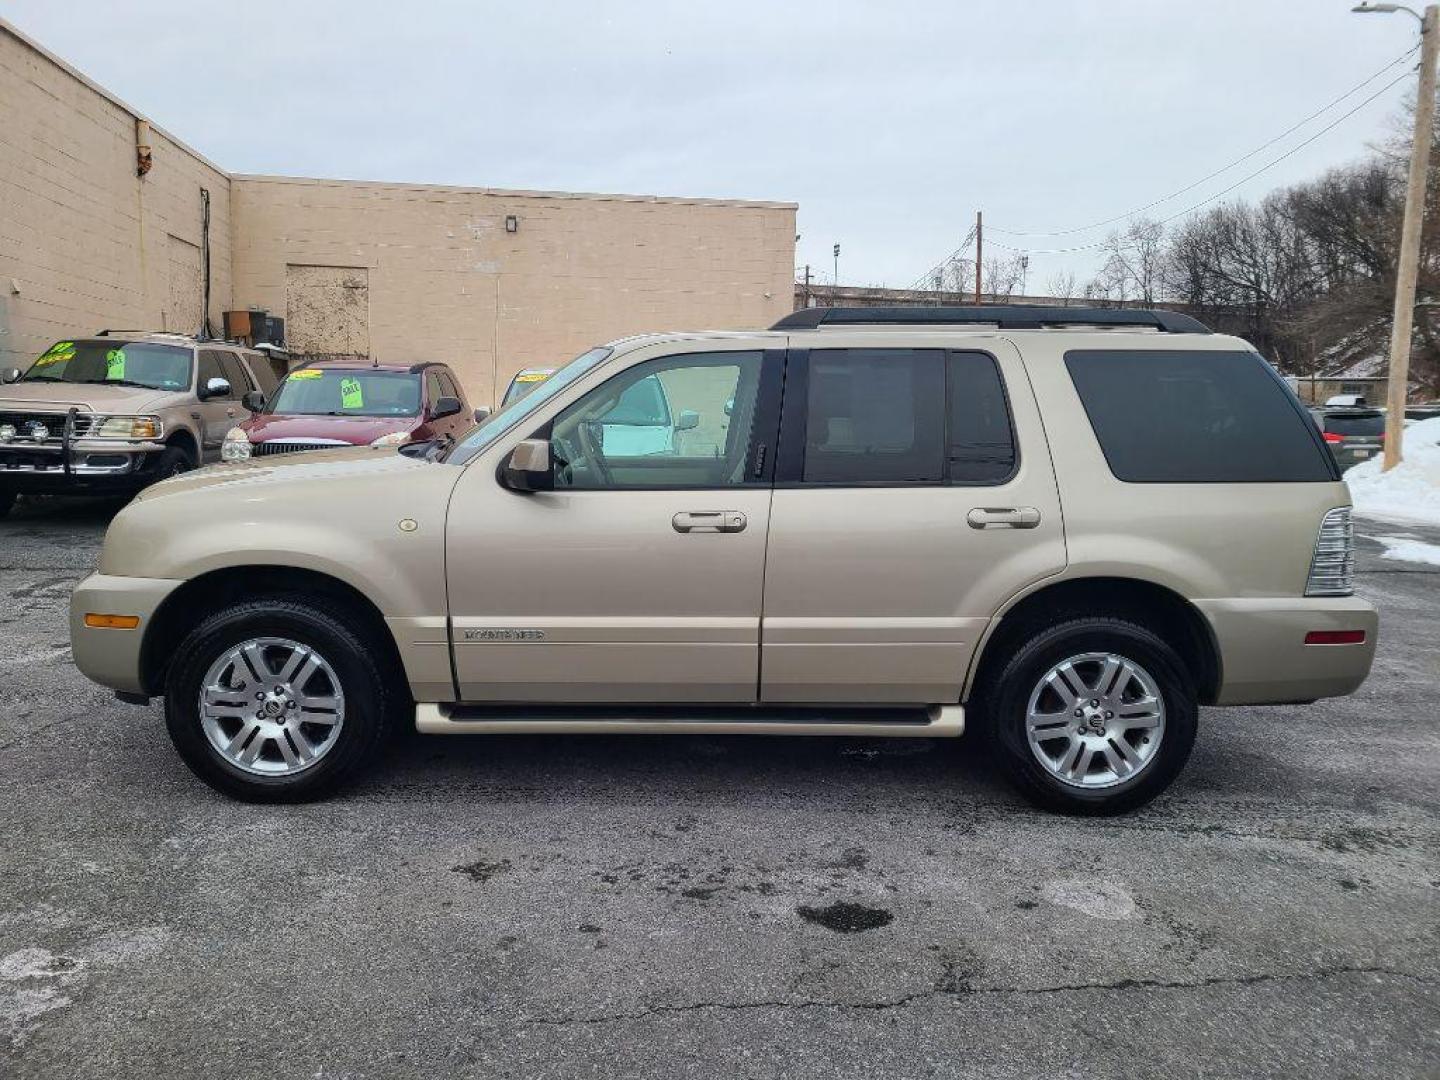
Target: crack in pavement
981	991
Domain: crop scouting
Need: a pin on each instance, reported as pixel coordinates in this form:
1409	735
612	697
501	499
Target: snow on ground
1411	490
1410	549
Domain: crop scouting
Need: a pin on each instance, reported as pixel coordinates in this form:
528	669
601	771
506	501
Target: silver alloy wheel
271	706
1095	720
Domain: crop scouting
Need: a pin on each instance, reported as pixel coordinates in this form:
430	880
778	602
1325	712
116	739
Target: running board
920	721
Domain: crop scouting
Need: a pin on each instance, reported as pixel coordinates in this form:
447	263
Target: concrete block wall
446	281
84	241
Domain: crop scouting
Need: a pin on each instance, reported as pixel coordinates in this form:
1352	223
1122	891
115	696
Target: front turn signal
111	622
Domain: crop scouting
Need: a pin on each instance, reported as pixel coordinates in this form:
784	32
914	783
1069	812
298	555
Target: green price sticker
115	364
351	396
60	351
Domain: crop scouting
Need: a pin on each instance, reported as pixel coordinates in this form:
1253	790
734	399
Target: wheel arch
1162	610
185	439
211	591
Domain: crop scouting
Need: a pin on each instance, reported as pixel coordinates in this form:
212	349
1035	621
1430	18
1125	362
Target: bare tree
1061	285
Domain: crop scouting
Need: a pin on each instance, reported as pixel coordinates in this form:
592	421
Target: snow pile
1410	549
1411	490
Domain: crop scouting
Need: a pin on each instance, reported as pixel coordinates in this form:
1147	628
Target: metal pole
979	253
1409	265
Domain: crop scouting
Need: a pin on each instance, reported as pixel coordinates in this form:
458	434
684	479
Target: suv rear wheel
277	700
1093	716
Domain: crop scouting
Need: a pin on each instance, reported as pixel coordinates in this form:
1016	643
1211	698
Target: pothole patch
846	918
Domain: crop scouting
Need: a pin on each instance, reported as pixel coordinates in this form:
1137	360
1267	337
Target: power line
1210	176
1225	191
939	267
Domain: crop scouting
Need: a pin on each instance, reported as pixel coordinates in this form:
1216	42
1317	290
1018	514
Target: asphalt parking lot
714	907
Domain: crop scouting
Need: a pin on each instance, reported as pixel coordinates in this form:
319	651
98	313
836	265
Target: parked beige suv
111	413
1070	527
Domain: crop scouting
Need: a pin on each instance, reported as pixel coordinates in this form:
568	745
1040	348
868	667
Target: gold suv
1070	527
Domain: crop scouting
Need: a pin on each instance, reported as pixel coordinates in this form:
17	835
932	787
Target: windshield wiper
115	382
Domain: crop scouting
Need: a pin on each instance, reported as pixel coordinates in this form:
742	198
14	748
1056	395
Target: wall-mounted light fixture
512	223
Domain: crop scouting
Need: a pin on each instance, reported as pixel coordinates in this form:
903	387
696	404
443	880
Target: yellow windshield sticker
115	364
57	353
307	373
351	396
539	377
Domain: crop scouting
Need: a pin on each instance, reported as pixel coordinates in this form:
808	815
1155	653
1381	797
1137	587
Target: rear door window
1196	416
905	416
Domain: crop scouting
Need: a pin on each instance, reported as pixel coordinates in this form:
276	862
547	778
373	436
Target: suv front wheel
276	700
1093	716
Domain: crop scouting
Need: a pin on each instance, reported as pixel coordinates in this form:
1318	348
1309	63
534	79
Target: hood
358	430
248	478
88	397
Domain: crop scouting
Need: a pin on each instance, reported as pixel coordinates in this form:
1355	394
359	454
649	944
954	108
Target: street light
1408	268
1386	9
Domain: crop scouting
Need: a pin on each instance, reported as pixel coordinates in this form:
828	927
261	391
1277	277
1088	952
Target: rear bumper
1263	656
113	657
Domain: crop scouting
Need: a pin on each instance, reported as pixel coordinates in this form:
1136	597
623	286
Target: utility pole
835	295
1409	265
809	301
979	253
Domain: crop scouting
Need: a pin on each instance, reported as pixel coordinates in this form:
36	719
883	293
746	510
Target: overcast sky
889	123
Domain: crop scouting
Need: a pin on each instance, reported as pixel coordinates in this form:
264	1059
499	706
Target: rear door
914	495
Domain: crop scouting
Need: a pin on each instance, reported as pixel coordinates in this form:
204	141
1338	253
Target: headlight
236	446
128	427
395	438
7	432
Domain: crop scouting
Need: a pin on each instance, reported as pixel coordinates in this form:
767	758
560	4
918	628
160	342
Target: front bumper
96	465
113	657
1263	656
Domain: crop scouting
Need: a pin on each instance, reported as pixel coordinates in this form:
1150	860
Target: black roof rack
1004	316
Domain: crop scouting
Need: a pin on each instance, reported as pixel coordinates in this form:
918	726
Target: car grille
25	424
290	446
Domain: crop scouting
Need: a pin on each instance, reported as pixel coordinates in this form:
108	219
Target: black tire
172	461
1005	701
371	697
7	502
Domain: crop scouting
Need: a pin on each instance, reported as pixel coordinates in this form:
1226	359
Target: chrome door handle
1003	517
713	520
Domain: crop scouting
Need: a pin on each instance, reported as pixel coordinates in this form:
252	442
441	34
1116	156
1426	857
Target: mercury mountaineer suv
111	413
1068	527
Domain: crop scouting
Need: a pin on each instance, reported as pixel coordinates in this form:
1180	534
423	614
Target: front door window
675	422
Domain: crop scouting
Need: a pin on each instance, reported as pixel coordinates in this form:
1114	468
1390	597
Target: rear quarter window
1196	416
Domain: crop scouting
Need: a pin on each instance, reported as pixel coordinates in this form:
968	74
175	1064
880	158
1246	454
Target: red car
329	404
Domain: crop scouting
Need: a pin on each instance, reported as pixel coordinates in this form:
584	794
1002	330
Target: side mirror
215	388
482	414
254	401
729	406
688	420
10	375
445	406
528	467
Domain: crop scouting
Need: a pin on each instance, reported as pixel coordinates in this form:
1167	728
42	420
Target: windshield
522	384
508	417
347	392
122	363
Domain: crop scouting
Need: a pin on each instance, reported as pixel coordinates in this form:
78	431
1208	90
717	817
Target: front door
220	413
914	495
639	577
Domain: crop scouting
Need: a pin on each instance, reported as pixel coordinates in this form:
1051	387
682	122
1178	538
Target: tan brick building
489	281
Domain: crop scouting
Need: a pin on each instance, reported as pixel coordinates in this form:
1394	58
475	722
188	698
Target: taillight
1331	437
1332	566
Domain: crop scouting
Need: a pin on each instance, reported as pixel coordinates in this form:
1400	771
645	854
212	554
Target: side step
920	721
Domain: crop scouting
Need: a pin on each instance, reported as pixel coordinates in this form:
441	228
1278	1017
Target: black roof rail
1004	316
416	369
